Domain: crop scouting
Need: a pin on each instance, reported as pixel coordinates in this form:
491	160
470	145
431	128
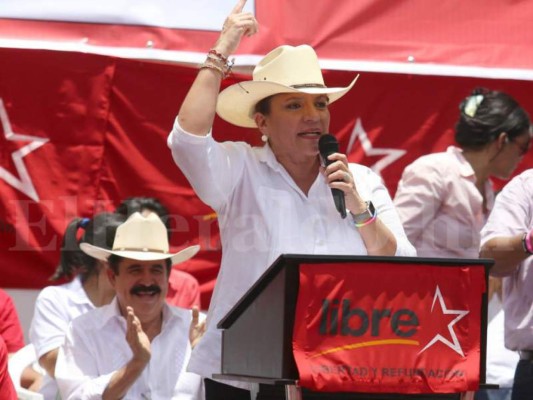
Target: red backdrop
491	34
87	131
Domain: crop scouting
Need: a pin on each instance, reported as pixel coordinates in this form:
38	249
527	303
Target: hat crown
140	233
290	66
286	69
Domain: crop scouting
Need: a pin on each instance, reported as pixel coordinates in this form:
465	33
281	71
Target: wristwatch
369	213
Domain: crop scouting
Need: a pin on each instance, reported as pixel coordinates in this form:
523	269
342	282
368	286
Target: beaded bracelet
218	55
210	65
215	59
218	62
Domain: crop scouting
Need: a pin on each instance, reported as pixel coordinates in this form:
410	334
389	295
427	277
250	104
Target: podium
258	331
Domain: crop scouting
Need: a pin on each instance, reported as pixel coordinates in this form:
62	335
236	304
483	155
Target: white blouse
262	214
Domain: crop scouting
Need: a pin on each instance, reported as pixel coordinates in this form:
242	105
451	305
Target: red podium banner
383	328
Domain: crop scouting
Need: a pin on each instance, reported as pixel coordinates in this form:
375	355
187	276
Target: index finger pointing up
238	8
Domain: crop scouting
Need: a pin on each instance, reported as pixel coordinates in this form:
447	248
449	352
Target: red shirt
7	390
10	328
183	289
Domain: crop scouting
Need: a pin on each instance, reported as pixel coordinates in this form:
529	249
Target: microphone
327	144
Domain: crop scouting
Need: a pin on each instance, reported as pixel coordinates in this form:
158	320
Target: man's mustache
145	289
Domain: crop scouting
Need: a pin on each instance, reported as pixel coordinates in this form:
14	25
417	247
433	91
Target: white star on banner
391	155
24	182
455	345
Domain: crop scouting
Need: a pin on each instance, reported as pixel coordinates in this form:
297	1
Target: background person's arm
48	362
48	327
509	220
507	252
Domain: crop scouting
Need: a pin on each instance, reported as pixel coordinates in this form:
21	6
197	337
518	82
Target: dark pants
220	391
523	381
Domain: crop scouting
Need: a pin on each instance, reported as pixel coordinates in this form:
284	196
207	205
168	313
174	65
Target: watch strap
366	216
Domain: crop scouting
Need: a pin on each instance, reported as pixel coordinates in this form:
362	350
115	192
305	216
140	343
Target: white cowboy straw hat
141	238
286	69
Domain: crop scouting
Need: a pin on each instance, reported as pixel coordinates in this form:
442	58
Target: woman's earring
264	138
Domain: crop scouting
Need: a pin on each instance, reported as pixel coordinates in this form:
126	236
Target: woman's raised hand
236	25
197	111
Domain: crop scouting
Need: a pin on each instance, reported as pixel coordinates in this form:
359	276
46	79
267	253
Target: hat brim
176	258
236	103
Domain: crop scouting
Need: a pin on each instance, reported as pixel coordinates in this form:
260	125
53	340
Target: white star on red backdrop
454	344
23	182
391	155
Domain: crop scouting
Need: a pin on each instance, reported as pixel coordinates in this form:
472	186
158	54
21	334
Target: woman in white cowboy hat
273	199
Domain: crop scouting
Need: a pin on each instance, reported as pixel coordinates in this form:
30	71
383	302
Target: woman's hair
98	231
485	114
138	204
263	106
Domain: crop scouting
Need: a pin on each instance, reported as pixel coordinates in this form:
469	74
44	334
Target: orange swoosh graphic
209	217
368	344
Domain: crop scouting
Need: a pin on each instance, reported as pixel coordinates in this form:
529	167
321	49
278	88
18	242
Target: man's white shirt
95	348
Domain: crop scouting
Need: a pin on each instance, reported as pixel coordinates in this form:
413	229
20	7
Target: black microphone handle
328	145
340	204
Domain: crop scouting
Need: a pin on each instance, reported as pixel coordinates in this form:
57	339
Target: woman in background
444	199
89	288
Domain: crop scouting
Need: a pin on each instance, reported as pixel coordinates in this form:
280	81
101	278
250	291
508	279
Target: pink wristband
528	242
368	221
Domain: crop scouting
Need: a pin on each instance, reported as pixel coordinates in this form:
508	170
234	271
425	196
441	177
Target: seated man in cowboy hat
138	346
183	288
